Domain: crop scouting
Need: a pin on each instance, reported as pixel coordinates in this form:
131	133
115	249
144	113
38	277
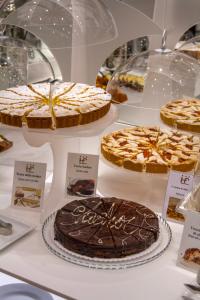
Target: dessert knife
194	288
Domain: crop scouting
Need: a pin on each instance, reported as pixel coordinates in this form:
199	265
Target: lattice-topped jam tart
68	104
151	149
183	114
106	227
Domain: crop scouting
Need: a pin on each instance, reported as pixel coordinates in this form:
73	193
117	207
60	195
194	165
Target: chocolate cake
106	227
84	187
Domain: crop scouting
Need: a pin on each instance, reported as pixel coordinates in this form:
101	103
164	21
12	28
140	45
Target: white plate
19	230
23	291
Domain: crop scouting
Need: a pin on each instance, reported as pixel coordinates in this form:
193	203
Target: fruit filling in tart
151	149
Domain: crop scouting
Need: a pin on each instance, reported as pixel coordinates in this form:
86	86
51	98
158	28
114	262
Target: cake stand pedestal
63	141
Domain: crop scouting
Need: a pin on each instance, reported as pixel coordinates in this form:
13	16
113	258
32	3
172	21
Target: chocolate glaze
106	227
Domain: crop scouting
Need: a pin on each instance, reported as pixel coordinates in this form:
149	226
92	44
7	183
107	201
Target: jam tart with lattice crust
68	104
183	114
151	149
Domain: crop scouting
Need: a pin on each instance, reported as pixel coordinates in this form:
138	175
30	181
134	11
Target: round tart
63	105
106	227
151	149
183	114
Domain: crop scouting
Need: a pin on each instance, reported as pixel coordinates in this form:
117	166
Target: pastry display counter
30	260
110	230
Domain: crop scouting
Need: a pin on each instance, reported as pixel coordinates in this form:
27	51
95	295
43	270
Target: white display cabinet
80	49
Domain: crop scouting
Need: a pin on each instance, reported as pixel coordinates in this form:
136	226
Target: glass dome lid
66	23
150	80
190	47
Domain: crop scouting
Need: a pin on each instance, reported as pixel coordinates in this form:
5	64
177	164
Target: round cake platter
153	252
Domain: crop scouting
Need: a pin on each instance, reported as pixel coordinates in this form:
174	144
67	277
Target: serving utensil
5	228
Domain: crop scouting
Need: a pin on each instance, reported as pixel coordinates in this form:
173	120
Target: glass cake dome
71	30
190	47
151	79
22	63
59	25
65	23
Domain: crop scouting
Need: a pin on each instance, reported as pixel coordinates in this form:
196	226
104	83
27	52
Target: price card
82	173
189	252
179	185
28	185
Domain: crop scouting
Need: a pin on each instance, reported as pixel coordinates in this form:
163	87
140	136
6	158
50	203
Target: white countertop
29	259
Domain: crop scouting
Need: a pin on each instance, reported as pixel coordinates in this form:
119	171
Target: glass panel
150	80
68	23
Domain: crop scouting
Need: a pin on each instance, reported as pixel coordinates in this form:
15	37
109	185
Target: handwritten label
82	173
179	185
189	252
28	185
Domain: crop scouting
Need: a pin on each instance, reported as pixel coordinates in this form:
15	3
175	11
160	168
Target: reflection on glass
13	66
150	80
66	23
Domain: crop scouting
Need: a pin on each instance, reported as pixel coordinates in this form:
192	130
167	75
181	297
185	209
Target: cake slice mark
77	103
31	98
18	107
113	240
108	216
112	211
91	95
93	209
100	238
26	113
153	231
21	107
77	229
22	95
24	104
51	104
30	86
85	89
93	234
66	90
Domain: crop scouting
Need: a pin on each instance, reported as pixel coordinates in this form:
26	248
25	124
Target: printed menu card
28	185
189	252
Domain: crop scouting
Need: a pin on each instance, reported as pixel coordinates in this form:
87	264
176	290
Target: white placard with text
189	251
82	174
28	185
178	186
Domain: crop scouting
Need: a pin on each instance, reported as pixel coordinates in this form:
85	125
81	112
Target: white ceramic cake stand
63	141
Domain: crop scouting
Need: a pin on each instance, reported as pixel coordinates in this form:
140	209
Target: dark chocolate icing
106	227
